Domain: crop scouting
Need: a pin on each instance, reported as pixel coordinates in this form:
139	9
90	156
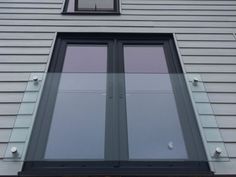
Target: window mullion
112	128
123	130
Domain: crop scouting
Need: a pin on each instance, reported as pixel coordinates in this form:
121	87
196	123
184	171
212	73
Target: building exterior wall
204	31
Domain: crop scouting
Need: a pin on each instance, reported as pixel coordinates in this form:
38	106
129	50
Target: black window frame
115	11
45	168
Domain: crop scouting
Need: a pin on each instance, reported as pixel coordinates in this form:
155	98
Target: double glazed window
91	7
115	98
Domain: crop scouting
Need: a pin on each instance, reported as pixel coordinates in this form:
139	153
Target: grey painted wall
204	32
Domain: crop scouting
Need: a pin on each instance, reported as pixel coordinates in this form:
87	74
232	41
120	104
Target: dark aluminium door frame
35	165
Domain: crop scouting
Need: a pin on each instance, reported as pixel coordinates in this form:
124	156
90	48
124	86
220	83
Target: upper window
91	7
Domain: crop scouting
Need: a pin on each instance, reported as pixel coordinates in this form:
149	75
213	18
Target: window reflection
85	58
144	59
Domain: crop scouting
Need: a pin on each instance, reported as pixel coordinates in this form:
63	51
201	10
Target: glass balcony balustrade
110	117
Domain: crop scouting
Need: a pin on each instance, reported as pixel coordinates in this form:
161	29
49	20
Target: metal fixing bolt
35	79
218	152
14	150
195	81
170	145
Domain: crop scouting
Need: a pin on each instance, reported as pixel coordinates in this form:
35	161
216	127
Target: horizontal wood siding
204	33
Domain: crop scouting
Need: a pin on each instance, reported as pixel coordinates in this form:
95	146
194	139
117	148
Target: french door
115	99
115	102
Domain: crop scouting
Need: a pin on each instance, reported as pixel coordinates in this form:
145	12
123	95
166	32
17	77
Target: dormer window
91	7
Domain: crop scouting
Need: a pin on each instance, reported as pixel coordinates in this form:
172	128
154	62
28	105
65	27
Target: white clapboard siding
24	50
214	44
205	37
9	109
226	121
229	135
222	97
13	86
30	1
29	11
178	12
5	135
10	77
220	87
231	149
220	78
7	121
11	97
26	36
178	7
204	34
210	68
208	52
224	109
161	14
209	59
98	23
22	67
169	18
25	43
3	147
30	6
123	29
34	58
206	2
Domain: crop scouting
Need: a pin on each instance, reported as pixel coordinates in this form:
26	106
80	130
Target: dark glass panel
86	4
96	4
85	58
105	4
145	59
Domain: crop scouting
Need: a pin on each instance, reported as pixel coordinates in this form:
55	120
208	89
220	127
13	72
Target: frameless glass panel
154	130
85	58
148	82
79	131
86	4
78	123
144	59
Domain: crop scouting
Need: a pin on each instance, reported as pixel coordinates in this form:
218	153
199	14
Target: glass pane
145	59
78	123
85	58
105	4
86	4
154	129
148	82
71	6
